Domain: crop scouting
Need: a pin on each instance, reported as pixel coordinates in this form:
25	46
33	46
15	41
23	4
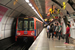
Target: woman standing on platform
67	34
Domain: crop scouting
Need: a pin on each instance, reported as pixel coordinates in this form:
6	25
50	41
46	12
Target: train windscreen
26	24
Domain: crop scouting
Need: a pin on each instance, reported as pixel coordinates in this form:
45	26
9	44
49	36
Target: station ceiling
58	4
21	7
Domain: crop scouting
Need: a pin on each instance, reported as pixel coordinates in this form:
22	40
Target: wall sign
3	10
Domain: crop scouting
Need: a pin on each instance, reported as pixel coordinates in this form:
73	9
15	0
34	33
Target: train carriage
28	27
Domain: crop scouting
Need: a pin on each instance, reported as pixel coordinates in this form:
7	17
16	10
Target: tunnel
45	11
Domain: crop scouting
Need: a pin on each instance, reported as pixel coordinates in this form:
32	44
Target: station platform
44	43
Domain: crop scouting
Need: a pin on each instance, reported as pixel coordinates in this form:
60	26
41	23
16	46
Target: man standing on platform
67	34
59	32
48	27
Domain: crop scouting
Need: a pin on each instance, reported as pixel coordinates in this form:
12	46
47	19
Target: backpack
50	29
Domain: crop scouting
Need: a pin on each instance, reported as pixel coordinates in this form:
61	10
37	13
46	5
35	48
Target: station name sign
54	14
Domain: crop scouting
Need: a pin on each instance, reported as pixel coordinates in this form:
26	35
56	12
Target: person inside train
67	34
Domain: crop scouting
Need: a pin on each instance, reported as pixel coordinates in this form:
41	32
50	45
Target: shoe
65	43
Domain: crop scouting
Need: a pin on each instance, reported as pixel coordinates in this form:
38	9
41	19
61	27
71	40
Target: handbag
54	32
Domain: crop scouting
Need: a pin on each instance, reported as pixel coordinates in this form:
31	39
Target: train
28	27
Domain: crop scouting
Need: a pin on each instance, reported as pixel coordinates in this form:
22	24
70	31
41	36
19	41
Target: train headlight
18	33
32	33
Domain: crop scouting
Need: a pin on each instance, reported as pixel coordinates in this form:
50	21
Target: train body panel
31	33
28	27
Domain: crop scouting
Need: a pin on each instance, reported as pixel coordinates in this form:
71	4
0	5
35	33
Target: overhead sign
64	5
3	10
54	14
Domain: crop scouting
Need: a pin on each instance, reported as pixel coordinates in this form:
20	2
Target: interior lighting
27	1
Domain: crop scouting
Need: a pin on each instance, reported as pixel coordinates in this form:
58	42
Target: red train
28	27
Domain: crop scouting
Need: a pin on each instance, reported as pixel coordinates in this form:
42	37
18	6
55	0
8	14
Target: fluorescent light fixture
27	1
33	8
30	4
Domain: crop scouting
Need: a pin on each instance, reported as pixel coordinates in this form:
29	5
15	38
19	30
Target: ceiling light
32	8
30	4
27	1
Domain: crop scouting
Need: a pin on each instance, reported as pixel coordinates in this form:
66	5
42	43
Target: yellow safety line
37	45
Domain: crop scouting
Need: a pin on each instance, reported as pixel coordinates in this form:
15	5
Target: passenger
62	36
56	30
54	26
52	30
48	27
68	23
67	34
69	26
59	32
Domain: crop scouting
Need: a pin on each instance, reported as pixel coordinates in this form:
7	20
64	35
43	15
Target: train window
31	24
25	25
20	24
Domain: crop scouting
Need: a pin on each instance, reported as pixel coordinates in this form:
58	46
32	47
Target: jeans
52	34
59	34
56	34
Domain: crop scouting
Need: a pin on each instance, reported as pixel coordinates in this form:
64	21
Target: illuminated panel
33	3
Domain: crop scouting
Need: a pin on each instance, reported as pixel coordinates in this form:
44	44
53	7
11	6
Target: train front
24	28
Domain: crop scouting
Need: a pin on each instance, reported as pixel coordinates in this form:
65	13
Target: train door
36	28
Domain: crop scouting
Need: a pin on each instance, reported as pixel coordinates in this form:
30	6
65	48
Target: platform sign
54	14
3	10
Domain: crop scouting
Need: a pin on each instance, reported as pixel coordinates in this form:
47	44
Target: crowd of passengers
56	30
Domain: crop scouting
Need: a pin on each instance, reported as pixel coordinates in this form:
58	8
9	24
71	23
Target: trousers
67	38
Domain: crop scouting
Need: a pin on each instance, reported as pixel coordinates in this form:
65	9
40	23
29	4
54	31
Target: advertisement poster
3	10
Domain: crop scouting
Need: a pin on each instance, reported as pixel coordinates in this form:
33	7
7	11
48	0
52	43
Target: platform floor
44	43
